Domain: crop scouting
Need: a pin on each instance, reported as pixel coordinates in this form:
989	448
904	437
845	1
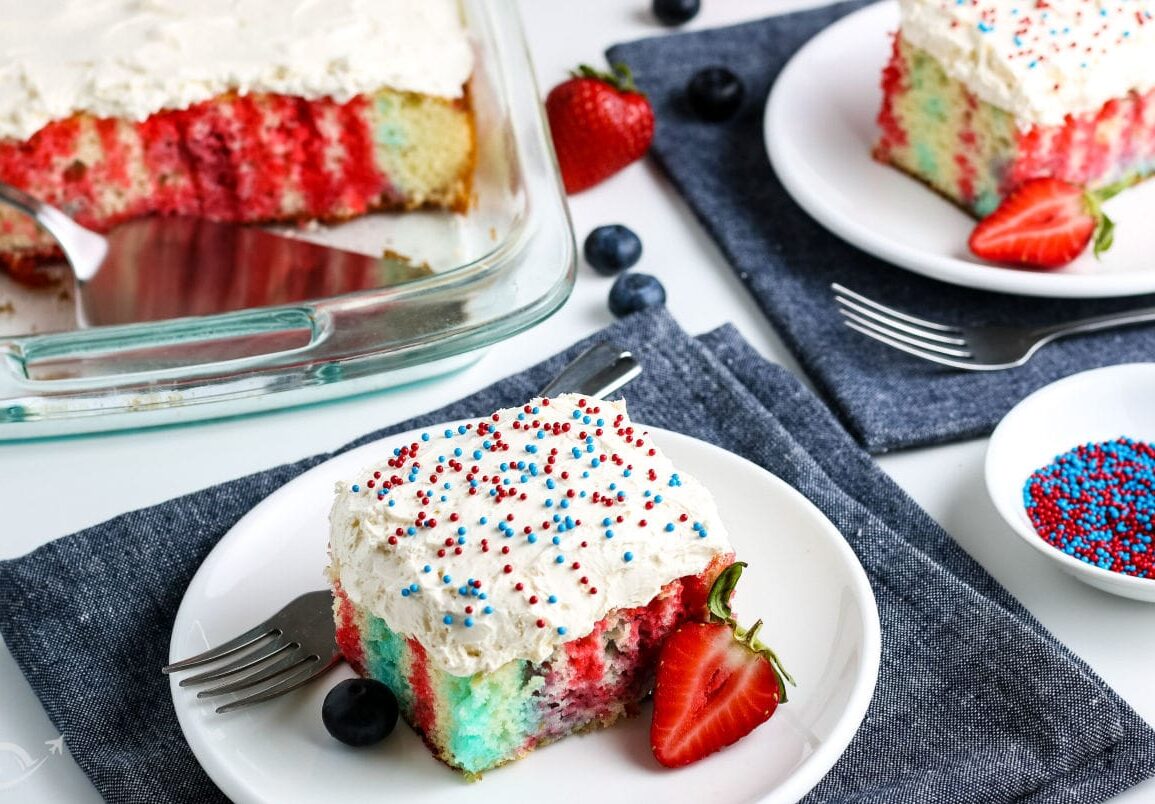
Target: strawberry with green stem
716	682
600	122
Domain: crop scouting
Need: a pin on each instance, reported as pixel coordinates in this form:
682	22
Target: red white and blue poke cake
247	110
983	95
513	579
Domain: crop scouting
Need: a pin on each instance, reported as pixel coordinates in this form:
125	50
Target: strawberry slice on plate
1046	223
716	683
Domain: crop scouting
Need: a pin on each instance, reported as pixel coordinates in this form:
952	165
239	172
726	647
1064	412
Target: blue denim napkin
975	701
887	399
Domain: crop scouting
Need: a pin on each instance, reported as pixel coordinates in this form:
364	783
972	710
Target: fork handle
1096	323
597	372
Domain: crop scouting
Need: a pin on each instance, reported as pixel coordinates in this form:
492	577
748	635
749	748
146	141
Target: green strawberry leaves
718	604
718	601
621	78
1104	236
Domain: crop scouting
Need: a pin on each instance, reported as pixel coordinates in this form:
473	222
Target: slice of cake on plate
980	96
513	579
253	110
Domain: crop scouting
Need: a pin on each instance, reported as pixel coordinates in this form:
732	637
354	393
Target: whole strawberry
600	123
1046	223
716	683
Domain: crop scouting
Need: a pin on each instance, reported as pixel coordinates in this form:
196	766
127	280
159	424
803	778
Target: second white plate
802	578
820	128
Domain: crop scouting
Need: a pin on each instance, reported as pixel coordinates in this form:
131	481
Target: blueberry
715	93
633	291
676	12
360	711
613	248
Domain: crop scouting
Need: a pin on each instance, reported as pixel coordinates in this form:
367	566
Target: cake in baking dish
983	94
236	110
513	579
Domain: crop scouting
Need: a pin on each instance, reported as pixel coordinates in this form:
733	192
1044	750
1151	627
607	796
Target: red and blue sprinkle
1096	503
505	483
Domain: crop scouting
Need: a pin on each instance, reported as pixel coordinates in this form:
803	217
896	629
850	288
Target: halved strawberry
1046	223
716	683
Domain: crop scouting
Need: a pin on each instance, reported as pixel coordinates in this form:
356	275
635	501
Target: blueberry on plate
676	12
715	94
360	711
613	248
633	291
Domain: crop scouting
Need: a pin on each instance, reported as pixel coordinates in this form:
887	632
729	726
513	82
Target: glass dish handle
131	354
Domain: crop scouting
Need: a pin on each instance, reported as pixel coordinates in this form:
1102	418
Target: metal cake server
299	643
161	267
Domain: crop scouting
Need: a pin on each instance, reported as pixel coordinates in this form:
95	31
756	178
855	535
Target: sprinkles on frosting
567	461
1041	30
1040	60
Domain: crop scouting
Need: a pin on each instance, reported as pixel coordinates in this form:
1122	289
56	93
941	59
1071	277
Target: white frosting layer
131	58
587	571
1039	59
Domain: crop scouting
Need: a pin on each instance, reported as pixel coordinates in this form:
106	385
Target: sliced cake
512	580
253	110
981	96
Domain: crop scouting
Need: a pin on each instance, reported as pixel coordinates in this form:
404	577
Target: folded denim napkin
887	399
975	701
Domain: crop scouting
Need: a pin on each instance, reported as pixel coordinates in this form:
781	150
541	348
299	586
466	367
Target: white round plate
1092	406
802	578
820	129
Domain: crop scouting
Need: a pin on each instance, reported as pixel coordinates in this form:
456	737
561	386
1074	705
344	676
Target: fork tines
288	650
929	340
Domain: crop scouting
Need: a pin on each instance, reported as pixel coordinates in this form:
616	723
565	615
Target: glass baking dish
494	271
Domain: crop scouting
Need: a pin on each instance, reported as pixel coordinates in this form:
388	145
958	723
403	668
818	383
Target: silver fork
286	651
983	348
299	642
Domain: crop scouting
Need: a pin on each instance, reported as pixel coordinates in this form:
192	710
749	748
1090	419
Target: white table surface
123	472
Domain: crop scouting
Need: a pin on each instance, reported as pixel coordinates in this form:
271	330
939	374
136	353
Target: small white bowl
1092	406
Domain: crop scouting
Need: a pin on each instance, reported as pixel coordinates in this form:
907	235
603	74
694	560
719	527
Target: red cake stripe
314	179
586	656
288	152
968	140
1100	151
114	164
168	166
211	133
893	85
44	159
361	180
1030	161
424	714
258	176
348	634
